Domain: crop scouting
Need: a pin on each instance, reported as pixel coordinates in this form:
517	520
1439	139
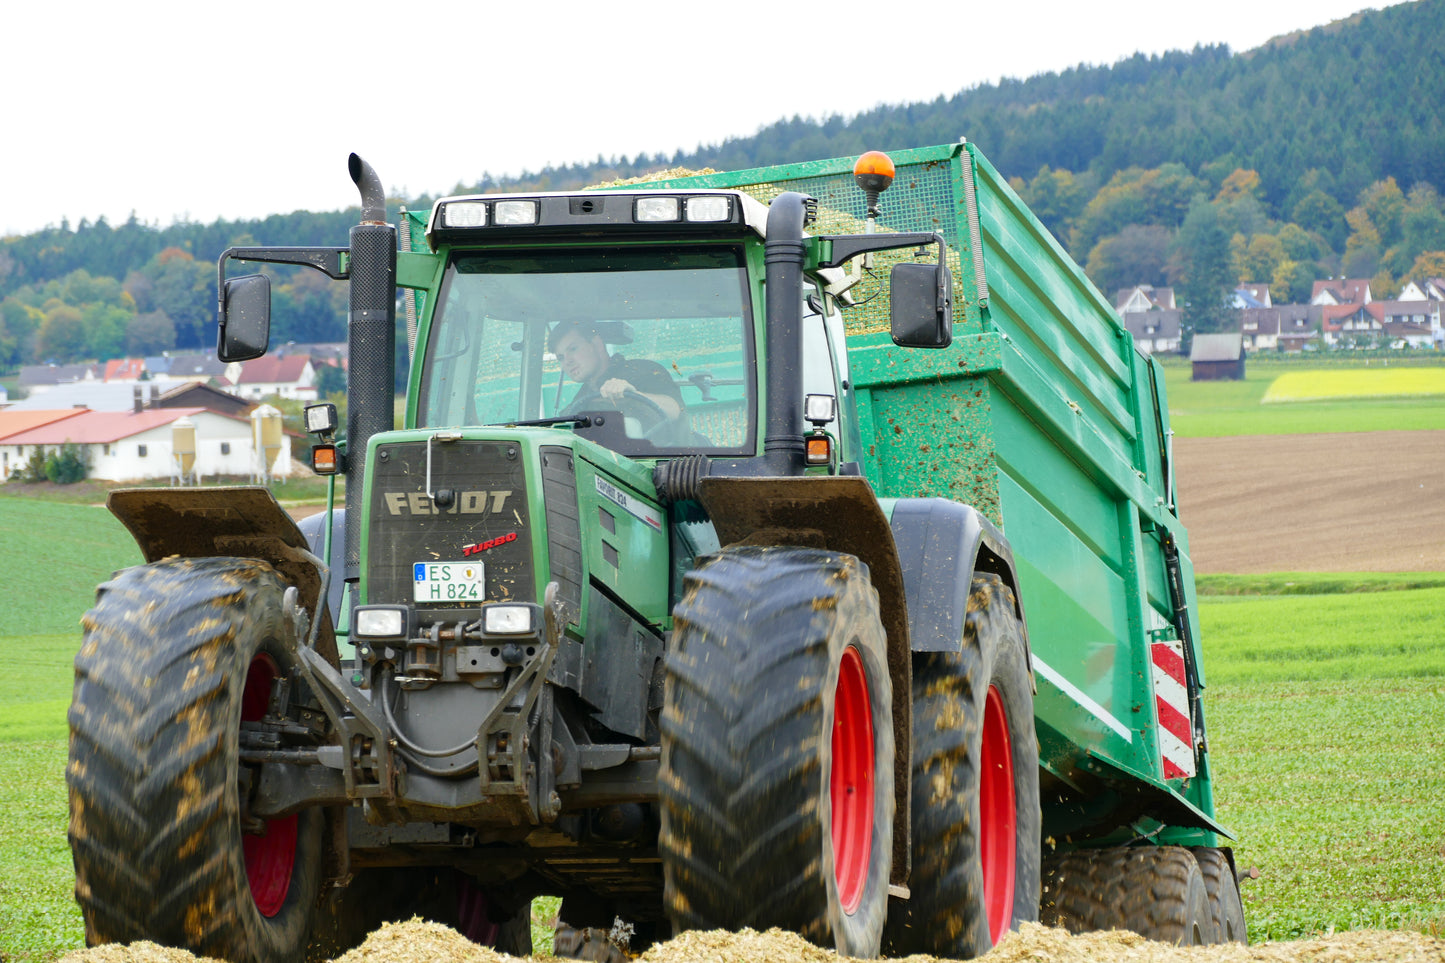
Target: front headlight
379	622
508	620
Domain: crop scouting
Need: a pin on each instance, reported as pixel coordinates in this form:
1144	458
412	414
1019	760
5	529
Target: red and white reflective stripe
1171	702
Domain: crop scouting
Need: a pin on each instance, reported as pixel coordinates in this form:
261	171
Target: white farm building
141	445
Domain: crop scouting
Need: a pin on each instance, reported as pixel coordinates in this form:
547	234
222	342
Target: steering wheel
667	431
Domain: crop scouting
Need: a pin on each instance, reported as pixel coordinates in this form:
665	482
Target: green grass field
1209	409
1324	704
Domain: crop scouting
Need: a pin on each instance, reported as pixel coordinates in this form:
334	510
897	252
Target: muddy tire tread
152	768
741	782
1155	891
945	915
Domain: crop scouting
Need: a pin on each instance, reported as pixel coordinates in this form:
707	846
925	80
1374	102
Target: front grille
488	507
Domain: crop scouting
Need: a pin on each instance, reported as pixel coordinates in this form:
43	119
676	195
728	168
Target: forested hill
1318	153
1359	100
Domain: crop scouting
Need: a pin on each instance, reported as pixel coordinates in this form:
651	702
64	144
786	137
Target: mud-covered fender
840	513
941	544
240	522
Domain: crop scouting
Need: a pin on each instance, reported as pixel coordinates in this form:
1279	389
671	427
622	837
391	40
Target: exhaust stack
371	334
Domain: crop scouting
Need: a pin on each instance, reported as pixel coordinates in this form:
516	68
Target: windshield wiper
576	421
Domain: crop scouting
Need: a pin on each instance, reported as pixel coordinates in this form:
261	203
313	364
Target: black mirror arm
845	247
330	261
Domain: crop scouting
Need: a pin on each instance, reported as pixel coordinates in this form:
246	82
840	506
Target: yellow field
1356	383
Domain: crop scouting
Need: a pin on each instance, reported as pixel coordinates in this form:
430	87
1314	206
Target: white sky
199	110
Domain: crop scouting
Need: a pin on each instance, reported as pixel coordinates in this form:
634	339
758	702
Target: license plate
442	582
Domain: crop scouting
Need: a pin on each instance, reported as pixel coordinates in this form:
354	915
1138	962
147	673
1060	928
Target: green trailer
716	577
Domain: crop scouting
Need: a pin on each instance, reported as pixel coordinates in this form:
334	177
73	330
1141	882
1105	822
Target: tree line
1321	153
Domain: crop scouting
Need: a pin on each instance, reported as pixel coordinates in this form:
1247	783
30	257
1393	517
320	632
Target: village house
1352	325
1286	327
194	394
1155	331
37	379
13	423
1251	294
293	376
1143	297
1150	316
193	367
1431	289
1336	291
139	446
1416	313
124	370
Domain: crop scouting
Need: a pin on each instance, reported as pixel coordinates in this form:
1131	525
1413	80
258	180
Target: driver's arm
614	388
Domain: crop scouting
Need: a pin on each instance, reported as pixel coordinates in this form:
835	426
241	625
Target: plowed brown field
1348	502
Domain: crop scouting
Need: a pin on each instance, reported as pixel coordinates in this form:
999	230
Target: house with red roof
292	376
1341	291
141	445
1352	325
19	422
124	369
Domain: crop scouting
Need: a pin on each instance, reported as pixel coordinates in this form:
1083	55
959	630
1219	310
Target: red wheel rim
271	856
851	784
999	836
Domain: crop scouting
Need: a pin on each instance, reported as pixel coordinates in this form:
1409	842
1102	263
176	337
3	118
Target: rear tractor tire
776	781
975	795
176	655
1155	891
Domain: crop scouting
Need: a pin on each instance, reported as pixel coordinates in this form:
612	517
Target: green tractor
683	593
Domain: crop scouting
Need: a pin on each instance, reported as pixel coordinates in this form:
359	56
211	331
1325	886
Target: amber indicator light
323	459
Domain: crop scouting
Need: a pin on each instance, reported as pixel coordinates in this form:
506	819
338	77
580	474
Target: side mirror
921	305
245	318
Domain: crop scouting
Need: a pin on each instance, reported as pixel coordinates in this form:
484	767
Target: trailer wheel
975	790
176	655
1222	889
1156	891
776	781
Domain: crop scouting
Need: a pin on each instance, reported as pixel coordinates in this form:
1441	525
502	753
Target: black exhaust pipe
784	450
371	341
373	195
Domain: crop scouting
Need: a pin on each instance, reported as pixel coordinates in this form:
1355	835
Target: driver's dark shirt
648	377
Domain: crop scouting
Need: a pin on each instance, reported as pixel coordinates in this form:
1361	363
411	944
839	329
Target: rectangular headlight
514	212
464	214
708	208
321	418
379	622
654	209
507	619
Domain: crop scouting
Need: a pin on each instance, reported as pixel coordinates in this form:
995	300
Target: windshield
648	351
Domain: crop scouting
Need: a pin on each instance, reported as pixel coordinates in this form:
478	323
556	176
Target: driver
604	377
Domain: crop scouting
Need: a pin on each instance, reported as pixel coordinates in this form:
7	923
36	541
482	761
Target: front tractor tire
776	781
176	655
975	792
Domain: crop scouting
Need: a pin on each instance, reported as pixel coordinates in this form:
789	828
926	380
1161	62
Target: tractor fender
239	522
840	513
314	528
941	545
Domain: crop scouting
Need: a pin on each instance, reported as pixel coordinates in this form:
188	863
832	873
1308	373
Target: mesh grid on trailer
923	197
